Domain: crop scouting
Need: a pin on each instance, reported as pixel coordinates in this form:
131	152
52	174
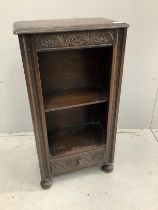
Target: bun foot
46	184
107	168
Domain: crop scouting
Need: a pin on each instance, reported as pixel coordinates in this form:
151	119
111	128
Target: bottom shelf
76	139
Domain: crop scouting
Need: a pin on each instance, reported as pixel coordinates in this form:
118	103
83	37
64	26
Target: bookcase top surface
77	24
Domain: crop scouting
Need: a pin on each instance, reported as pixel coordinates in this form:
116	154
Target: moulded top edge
46	26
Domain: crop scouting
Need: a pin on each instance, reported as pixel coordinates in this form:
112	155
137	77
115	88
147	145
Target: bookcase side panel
36	104
115	90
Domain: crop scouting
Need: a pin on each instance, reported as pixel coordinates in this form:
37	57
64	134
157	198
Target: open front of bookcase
75	86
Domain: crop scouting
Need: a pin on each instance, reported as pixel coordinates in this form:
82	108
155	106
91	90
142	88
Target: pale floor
133	185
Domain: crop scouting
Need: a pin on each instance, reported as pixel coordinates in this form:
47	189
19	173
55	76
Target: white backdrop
140	78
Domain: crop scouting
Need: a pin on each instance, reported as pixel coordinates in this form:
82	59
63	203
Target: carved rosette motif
63	165
75	39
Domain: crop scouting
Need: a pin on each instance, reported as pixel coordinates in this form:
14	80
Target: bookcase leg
46	183
107	167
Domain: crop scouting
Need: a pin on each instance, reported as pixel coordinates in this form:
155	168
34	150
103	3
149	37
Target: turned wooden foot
107	167
46	183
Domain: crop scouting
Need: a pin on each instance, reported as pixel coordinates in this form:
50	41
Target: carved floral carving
74	39
71	163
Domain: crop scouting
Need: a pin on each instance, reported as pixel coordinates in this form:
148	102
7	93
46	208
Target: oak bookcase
73	71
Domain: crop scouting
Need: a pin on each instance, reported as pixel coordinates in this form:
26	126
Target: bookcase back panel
75	69
73	117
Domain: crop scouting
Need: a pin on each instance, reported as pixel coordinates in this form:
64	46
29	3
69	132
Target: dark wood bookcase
73	71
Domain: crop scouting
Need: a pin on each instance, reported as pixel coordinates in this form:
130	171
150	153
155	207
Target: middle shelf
74	98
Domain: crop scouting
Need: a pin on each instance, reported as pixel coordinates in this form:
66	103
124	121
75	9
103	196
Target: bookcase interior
75	86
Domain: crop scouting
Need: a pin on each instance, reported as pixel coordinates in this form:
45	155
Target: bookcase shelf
74	98
72	140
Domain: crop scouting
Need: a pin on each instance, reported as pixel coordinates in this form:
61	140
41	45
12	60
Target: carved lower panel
75	39
78	161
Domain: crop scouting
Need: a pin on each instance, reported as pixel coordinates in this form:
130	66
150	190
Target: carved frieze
75	39
63	165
